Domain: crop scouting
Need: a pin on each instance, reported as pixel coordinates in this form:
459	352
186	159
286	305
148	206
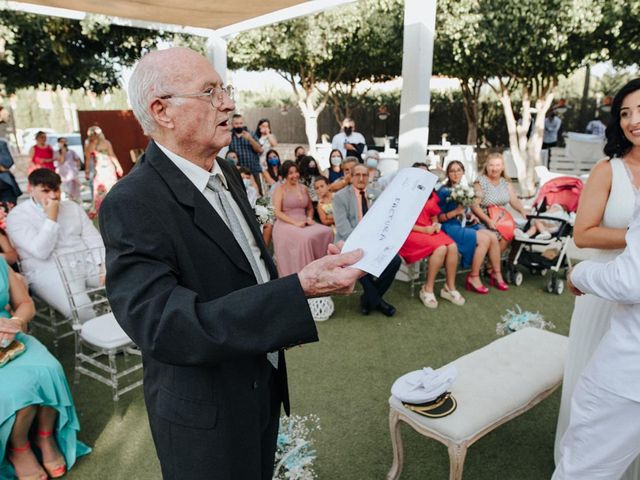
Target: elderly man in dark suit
349	206
190	280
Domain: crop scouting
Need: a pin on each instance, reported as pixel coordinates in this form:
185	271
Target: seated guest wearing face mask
271	175
43	226
299	152
335	170
309	172
249	185
371	160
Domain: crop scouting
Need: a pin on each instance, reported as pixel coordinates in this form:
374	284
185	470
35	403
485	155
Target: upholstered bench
496	383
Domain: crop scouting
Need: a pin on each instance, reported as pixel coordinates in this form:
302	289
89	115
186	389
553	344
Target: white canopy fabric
211	14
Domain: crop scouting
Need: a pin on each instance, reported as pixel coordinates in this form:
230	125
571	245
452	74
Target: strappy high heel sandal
57	467
21	450
493	281
482	290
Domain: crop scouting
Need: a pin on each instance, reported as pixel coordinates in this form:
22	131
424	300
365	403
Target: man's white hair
146	83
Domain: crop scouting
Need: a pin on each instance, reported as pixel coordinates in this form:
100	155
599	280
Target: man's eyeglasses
215	94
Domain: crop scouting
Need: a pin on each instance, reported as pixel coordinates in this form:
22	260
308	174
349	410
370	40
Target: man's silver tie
215	184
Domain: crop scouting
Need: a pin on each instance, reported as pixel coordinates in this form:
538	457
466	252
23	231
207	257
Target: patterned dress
493	195
498	195
105	176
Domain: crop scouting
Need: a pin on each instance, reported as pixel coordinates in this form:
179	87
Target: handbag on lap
14	349
503	220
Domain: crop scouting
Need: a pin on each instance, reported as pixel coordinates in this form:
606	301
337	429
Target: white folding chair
47	318
99	339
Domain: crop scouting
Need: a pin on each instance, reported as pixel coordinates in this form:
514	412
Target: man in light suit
603	437
191	282
349	206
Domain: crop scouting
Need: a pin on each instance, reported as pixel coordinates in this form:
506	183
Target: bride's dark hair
618	144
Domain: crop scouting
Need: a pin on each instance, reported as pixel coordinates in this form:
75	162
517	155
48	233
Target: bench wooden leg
396	444
457	454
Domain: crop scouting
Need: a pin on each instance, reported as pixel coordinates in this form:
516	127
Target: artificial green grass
345	380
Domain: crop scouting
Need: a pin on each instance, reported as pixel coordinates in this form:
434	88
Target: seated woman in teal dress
34	397
473	240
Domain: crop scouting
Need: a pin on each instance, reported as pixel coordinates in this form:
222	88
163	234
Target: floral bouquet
294	455
463	195
328	208
513	321
265	214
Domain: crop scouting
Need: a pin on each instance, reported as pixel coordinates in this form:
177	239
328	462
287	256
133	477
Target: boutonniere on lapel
371	196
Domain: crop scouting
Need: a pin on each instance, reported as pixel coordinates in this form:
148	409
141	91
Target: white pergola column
419	33
217	54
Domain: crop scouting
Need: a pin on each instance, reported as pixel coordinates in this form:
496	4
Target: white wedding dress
591	314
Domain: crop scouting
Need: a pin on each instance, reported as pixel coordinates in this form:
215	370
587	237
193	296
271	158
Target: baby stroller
540	255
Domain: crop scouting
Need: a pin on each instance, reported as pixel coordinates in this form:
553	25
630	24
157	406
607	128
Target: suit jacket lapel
204	215
239	194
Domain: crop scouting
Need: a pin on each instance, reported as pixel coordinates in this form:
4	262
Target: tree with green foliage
38	50
375	56
620	32
520	49
316	53
528	46
459	53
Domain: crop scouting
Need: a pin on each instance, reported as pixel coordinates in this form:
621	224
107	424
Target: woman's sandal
56	468
452	295
493	281
428	299
21	450
482	290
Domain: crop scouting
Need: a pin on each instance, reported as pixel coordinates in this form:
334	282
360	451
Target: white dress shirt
615	365
37	238
200	177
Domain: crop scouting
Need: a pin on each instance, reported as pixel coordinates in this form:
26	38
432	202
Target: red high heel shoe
499	285
482	290
56	468
20	450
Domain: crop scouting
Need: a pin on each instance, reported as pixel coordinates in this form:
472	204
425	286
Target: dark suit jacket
183	290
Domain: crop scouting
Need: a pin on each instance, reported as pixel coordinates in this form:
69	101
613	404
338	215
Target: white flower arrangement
463	195
265	214
294	455
513	321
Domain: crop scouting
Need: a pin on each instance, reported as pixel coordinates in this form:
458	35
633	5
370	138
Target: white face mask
372	163
336	161
247	182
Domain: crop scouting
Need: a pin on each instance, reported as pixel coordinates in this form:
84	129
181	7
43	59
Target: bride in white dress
605	210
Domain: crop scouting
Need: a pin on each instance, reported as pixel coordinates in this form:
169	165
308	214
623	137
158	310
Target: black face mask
348	131
238	130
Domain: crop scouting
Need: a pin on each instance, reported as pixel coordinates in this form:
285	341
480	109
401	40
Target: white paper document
387	224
